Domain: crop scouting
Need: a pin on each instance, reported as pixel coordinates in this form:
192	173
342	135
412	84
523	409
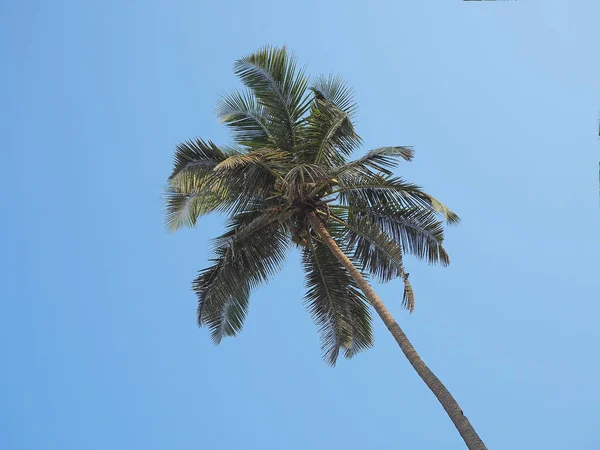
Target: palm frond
242	113
408	298
375	251
193	190
329	136
418	230
375	190
272	76
224	312
252	250
380	160
449	215
184	209
247	176
337	306
334	90
193	160
271	159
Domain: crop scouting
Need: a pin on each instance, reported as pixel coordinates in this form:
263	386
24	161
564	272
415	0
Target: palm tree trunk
460	421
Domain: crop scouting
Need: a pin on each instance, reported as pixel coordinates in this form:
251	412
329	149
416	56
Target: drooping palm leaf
373	190
418	230
376	252
252	250
337	306
408	298
380	189
450	216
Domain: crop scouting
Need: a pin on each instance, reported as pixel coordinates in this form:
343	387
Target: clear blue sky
99	344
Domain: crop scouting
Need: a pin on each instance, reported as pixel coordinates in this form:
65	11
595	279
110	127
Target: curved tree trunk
460	421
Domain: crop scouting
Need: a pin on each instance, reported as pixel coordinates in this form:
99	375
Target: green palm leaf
334	90
377	254
273	160
329	136
184	209
193	161
252	250
337	306
375	251
248	119
377	161
450	216
375	190
279	87
418	230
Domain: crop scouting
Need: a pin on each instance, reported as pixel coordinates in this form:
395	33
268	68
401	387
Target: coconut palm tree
288	182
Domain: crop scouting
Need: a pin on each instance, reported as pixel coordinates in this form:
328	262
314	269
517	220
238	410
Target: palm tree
287	182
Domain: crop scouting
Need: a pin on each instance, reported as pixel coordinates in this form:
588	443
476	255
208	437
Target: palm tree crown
291	161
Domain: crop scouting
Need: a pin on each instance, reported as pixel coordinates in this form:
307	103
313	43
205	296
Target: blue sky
98	336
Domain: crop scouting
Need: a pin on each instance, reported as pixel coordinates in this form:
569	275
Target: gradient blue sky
99	344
